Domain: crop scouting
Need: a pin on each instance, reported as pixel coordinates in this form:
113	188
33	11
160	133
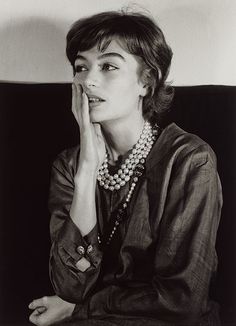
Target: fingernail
41	309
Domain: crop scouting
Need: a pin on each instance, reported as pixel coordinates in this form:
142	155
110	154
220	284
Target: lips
95	99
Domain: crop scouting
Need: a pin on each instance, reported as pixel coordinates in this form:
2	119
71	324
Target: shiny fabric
159	266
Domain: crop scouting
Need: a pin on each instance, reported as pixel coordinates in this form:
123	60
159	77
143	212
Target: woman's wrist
83	210
85	174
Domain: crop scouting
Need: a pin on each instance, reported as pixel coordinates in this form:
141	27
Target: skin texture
112	75
49	310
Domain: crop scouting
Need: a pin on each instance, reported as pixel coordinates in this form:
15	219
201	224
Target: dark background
36	123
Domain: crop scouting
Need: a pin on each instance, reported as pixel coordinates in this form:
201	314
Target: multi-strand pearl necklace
121	213
134	168
138	155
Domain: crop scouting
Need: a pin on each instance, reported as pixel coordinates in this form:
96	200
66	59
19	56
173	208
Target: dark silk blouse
159	266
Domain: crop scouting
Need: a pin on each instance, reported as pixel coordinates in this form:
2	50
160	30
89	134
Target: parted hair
140	36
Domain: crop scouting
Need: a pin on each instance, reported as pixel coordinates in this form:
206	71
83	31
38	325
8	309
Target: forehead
115	49
114	44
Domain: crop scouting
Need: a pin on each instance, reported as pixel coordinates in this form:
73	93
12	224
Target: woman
135	208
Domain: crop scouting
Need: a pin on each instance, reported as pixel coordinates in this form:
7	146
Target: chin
95	118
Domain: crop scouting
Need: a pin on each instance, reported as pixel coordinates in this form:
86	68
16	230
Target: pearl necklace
138	155
120	215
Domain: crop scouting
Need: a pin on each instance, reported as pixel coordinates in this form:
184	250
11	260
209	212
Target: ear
144	89
145	81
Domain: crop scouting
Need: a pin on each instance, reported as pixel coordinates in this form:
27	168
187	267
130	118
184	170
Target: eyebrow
103	55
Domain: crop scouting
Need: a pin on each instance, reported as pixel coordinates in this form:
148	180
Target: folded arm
75	258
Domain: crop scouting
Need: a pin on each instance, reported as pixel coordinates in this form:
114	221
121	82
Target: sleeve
185	257
74	260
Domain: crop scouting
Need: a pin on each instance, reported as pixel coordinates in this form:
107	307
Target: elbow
66	285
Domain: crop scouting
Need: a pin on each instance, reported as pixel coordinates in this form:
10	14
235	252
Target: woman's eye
80	69
108	67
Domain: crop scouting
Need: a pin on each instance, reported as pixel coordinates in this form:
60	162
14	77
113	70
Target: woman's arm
75	258
69	281
185	254
92	154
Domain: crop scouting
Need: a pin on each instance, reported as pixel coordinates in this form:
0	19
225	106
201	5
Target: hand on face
50	310
92	145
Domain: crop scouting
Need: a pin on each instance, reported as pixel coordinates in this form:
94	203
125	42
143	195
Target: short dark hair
142	37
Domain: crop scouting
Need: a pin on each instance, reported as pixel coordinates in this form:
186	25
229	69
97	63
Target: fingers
85	110
37	318
40	310
33	318
76	102
80	105
73	108
41	302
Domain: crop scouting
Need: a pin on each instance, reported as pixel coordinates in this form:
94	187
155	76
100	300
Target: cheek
79	77
122	85
132	85
78	80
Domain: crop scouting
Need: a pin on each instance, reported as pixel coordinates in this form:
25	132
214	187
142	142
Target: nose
91	79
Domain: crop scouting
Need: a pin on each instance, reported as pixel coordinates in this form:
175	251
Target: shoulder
175	146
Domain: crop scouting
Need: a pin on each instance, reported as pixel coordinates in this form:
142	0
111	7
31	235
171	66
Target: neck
121	136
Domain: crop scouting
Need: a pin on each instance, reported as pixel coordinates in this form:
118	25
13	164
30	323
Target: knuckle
32	319
45	299
41	322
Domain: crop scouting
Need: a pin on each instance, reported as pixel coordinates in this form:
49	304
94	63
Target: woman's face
111	80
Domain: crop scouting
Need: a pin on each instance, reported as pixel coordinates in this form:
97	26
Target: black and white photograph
117	172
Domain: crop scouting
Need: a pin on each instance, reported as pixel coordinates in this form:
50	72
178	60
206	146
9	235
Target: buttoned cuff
79	252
